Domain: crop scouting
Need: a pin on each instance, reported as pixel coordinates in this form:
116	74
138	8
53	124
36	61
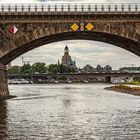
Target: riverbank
125	89
7	97
130	83
58	82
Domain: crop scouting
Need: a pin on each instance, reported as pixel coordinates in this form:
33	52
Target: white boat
68	81
85	81
31	82
19	81
56	82
23	81
10	81
16	81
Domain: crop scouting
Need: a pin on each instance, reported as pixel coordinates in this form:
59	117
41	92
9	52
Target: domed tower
66	59
66	50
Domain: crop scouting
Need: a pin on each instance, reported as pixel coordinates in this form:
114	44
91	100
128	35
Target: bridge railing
65	7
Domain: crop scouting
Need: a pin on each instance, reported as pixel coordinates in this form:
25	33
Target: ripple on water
65	112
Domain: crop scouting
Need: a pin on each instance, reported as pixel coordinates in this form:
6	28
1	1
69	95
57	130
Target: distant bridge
24	27
79	76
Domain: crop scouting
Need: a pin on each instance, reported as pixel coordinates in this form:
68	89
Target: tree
39	68
71	70
14	70
99	68
137	79
63	78
26	69
53	68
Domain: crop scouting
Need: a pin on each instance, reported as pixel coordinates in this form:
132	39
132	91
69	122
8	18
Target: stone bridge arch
37	29
30	36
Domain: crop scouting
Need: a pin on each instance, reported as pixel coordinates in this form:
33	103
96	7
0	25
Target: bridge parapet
69	7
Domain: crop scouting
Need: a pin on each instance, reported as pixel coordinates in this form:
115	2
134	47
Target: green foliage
63	78
136	79
26	69
14	70
54	68
39	68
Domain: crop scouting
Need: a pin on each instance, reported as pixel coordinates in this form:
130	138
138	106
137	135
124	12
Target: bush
63	78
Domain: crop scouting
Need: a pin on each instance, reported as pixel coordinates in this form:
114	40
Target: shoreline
6	97
129	83
125	89
77	82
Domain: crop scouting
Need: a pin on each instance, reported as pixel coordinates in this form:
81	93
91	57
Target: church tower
66	59
66	51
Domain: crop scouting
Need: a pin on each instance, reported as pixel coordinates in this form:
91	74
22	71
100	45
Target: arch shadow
116	40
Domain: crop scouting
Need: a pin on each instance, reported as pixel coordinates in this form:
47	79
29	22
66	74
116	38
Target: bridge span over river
24	27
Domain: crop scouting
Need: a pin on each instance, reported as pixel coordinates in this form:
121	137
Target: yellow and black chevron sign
77	26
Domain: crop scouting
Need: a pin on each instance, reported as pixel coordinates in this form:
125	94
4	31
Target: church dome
66	48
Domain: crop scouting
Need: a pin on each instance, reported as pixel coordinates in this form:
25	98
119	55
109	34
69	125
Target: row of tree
40	68
28	69
136	79
55	68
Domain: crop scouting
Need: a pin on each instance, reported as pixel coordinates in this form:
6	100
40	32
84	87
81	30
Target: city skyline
84	52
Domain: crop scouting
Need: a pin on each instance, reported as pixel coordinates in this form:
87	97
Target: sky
90	1
84	52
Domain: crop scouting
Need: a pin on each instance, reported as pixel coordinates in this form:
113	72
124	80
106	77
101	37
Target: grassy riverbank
125	89
130	83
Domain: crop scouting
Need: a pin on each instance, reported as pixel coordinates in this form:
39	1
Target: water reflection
65	112
3	119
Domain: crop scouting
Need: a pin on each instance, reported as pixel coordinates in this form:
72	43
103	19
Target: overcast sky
84	52
90	1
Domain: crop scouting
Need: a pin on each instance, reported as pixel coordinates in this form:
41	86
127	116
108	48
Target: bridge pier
108	79
4	91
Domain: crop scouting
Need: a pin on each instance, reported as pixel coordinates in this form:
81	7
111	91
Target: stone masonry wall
3	81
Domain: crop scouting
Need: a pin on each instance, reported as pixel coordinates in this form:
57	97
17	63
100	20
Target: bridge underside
116	40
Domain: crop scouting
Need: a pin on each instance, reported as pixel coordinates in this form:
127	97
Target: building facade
88	69
130	70
98	69
67	60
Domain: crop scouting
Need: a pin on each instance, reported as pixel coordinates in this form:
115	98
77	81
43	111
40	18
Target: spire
74	62
66	46
66	50
58	62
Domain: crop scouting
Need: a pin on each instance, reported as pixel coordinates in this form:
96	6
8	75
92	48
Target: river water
69	112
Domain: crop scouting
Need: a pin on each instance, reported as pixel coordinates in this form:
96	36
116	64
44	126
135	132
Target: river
69	112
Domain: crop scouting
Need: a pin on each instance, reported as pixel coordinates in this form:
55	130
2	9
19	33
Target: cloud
84	52
75	1
94	1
